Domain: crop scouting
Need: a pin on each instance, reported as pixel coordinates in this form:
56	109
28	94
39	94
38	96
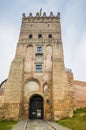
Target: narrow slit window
39	35
50	36
30	36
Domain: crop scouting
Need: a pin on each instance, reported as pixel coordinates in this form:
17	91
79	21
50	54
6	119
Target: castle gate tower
37	85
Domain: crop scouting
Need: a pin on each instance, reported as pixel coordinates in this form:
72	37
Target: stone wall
78	91
11	99
80	94
9	111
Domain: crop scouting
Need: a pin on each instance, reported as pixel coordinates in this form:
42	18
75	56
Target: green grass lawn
7	125
77	122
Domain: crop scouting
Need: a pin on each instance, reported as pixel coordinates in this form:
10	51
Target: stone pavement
19	126
39	125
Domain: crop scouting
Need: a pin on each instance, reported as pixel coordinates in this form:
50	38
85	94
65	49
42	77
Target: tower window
39	35
50	36
30	36
38	68
39	49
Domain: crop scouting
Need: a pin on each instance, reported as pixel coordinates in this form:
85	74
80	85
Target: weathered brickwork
80	94
38	70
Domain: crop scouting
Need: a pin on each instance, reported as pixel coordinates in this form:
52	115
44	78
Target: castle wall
11	100
78	91
80	94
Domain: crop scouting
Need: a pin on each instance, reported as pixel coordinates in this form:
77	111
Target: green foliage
7	125
77	122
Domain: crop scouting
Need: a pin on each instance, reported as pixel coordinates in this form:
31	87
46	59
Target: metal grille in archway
36	107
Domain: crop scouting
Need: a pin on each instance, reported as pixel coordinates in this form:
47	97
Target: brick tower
37	85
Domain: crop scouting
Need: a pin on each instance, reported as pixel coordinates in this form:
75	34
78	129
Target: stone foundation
9	111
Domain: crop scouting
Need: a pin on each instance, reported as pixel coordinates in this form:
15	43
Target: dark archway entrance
36	107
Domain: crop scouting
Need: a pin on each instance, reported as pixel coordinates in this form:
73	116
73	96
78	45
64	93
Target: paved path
39	125
19	126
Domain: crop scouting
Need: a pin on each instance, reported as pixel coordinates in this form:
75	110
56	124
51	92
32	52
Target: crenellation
30	15
51	14
58	14
44	14
41	16
23	15
38	17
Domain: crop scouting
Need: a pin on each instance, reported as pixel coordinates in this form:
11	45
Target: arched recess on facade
2	86
3	82
29	45
32	79
47	92
48	57
48	45
31	86
46	89
36	106
28	61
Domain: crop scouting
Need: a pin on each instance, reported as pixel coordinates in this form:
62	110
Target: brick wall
80	94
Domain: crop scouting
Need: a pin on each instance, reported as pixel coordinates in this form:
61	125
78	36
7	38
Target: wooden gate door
36	107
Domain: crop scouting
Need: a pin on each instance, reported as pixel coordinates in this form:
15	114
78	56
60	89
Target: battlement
40	24
24	17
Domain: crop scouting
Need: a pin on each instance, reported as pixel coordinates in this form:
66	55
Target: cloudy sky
73	26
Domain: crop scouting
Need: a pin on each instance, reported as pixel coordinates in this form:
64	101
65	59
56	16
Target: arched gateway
36	107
